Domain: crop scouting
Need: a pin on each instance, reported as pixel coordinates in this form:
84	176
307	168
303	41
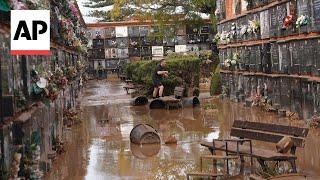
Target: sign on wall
30	32
180	48
122	31
157	51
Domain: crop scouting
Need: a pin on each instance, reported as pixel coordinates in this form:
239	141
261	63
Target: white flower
243	30
233	62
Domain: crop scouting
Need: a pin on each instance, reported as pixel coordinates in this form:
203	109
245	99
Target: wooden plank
219	157
264	136
203	174
264	154
282	129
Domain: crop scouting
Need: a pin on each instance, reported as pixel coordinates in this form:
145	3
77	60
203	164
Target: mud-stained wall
272	49
290	94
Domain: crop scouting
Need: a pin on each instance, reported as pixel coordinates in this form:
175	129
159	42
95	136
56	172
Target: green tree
178	11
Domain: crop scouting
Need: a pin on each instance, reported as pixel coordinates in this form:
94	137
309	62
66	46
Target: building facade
270	50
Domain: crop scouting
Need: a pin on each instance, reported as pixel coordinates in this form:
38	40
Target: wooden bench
212	175
247	131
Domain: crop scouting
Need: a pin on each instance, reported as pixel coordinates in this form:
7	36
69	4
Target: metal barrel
144	134
157	104
144	151
191	101
140	101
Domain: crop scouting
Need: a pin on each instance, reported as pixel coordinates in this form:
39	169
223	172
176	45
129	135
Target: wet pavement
100	147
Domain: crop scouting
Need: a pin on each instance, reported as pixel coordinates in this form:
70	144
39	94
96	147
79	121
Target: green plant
183	71
215	86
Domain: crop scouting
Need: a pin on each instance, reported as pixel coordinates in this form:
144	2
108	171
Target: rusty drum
144	134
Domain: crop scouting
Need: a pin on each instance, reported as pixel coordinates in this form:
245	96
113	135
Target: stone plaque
253	58
123	53
284	59
285	93
282	12
265	58
317	55
264	21
303	8
316	14
247	57
294	59
273	28
275	57
157	51
122	31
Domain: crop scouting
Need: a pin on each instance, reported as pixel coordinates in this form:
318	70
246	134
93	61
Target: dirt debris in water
99	147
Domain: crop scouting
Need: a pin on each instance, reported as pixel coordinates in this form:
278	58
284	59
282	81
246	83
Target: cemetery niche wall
116	43
38	91
269	54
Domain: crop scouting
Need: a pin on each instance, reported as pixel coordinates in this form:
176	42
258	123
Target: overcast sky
85	11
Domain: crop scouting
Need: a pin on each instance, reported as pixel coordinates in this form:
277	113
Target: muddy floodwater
100	148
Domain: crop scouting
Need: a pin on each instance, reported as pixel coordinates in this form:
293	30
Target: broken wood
284	145
171	140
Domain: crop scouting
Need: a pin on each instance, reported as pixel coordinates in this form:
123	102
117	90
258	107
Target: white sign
180	48
157	50
30	32
122	31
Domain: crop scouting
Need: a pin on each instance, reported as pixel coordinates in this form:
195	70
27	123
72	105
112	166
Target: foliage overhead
191	11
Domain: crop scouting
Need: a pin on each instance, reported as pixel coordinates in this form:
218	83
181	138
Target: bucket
140	101
157	104
191	102
144	134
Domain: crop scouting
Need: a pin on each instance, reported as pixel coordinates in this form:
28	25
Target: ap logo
30	32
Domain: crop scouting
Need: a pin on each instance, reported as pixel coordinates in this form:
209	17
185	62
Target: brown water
100	148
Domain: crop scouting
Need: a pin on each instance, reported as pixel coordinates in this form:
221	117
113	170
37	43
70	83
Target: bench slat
282	129
264	154
264	136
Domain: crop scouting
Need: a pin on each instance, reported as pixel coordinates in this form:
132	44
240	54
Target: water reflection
144	151
100	147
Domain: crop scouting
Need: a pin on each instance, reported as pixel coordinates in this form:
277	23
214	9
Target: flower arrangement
217	38
71	72
233	31
254	27
302	21
232	62
288	20
243	30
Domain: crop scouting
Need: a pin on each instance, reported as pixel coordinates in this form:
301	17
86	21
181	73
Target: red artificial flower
287	21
